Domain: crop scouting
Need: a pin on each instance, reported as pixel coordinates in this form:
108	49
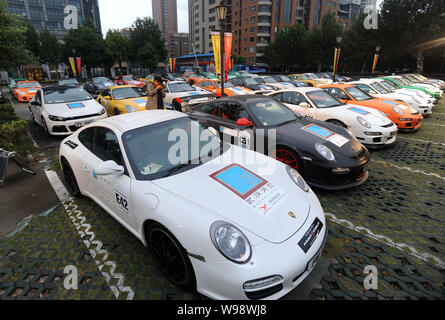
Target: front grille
359	154
82	117
387	125
264	293
74	128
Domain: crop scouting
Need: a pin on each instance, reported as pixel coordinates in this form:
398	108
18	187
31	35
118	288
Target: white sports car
370	126
270	81
179	95
424	97
233	230
430	87
62	110
376	89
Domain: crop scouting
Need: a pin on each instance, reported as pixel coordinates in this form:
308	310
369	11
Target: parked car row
218	217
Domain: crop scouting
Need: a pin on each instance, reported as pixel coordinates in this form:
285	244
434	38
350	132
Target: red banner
79	65
174	65
227	52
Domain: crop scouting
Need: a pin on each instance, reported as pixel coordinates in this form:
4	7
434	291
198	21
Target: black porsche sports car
327	156
97	84
250	83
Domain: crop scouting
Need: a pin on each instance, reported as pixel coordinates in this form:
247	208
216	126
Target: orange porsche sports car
405	117
24	91
215	87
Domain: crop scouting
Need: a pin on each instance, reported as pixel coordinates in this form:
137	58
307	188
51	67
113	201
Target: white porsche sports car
270	81
424	97
62	110
376	89
211	223
179	95
370	126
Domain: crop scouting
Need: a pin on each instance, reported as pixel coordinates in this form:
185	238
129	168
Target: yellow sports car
122	99
310	80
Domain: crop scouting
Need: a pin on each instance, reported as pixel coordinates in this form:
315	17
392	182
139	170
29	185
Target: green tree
147	43
288	49
240	59
32	40
406	28
116	48
50	48
85	42
13	47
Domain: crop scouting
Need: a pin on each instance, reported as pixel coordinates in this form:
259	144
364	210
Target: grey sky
118	14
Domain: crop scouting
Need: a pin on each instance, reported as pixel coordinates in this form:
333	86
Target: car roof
176	81
58	87
338	85
300	89
123	86
134	120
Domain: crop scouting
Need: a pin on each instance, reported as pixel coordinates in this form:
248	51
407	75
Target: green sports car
207	75
402	84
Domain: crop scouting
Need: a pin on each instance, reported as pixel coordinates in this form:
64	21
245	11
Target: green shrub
7	114
14	137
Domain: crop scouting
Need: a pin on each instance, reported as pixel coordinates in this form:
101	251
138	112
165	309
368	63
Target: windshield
59	95
305	77
312	76
24	85
270	80
358	94
149	148
226	85
389	85
248	81
180	87
128	93
259	80
271	112
101	80
321	99
399	82
379	88
366	88
68	81
285	79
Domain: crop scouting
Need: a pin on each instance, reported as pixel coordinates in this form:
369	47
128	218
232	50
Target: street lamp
339	39
221	13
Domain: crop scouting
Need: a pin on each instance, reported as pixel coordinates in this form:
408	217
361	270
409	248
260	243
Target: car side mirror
109	168
244	122
304	105
106	98
35	103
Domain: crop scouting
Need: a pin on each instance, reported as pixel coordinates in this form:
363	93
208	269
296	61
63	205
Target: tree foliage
50	48
147	44
14	51
116	48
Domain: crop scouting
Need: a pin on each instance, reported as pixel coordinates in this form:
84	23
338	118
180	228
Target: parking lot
393	222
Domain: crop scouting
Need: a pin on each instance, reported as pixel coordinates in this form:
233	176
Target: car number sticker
140	102
243	137
358	110
259	194
326	134
311	235
390	102
75	105
122	201
32	90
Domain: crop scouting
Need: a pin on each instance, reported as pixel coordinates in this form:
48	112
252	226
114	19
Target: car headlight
130	109
297	178
325	152
364	122
230	242
397	110
56	118
102	111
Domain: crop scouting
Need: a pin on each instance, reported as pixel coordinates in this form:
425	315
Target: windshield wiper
178	167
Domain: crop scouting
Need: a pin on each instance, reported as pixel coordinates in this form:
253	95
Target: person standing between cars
155	93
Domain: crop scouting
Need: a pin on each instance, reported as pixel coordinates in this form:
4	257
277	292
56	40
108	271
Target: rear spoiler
186	101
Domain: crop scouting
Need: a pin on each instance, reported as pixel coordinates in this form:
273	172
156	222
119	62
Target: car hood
274	225
104	85
27	90
372	115
139	103
74	109
303	132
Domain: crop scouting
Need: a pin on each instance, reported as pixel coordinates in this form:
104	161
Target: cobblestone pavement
395	221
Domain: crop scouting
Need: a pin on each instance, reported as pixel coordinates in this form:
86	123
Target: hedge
13	132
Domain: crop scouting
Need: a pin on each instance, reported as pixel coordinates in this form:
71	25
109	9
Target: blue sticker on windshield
358	110
75	105
390	102
239	180
319	131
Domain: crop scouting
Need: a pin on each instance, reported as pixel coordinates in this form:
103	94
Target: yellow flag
73	66
217	53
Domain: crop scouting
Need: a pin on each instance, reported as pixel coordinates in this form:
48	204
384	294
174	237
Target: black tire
33	120
70	179
116	112
45	128
295	160
170	256
338	123
176	106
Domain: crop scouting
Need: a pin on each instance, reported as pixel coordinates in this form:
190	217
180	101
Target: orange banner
227	52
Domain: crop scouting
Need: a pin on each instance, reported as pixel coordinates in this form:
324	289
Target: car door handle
84	167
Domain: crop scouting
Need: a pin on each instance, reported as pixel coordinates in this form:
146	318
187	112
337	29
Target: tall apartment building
50	13
165	14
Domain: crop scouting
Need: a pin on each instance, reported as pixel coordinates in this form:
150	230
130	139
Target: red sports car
128	80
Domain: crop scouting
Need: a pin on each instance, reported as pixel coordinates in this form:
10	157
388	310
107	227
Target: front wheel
288	157
45	128
170	256
70	179
338	123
